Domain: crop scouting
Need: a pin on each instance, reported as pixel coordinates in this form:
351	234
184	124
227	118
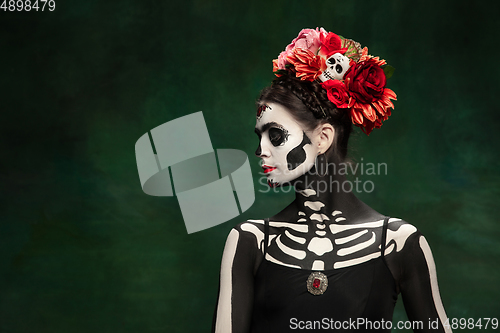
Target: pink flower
308	39
282	60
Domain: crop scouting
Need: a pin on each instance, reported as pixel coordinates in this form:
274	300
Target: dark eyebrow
266	126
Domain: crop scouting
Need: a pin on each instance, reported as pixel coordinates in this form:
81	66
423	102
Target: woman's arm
234	303
418	285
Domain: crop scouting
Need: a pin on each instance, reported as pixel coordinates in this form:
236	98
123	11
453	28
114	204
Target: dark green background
83	249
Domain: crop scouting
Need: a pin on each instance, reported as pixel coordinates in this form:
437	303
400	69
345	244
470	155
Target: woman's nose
262	150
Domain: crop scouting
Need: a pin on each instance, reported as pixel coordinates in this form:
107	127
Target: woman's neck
330	196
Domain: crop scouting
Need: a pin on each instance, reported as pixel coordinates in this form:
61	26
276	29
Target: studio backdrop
85	249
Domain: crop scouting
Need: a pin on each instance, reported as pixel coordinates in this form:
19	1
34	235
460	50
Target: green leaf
388	71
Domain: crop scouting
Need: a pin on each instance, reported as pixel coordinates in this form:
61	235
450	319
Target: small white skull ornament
337	65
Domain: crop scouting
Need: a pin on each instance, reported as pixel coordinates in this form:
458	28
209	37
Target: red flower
337	93
366	81
370	102
368	116
331	44
307	65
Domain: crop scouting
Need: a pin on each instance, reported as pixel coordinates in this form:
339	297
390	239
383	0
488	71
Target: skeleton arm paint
415	272
234	304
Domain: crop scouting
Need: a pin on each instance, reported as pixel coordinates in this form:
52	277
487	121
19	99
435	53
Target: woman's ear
325	135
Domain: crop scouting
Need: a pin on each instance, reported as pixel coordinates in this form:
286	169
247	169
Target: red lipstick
268	168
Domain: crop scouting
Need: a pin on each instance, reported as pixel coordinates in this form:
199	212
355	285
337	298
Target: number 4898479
27	5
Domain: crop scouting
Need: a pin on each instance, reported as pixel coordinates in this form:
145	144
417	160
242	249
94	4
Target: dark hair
308	103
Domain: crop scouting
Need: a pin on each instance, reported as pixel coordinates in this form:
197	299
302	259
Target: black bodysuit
270	297
282	302
368	259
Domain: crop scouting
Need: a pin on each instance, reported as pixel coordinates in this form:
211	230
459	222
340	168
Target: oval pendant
317	283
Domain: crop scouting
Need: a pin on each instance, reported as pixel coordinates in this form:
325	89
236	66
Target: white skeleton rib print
297	244
318	240
303	245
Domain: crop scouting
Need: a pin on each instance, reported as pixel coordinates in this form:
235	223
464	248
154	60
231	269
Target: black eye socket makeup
277	136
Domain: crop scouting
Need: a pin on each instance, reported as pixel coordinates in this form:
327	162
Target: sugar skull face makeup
286	151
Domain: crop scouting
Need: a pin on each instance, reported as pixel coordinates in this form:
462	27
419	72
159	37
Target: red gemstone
316	283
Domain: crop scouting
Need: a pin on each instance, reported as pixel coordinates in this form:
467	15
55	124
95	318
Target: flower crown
353	79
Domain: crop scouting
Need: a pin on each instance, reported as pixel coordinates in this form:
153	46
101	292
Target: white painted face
337	65
285	149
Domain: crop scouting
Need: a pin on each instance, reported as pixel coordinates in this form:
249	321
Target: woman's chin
273	183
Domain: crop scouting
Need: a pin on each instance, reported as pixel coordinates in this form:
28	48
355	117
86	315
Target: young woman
327	261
